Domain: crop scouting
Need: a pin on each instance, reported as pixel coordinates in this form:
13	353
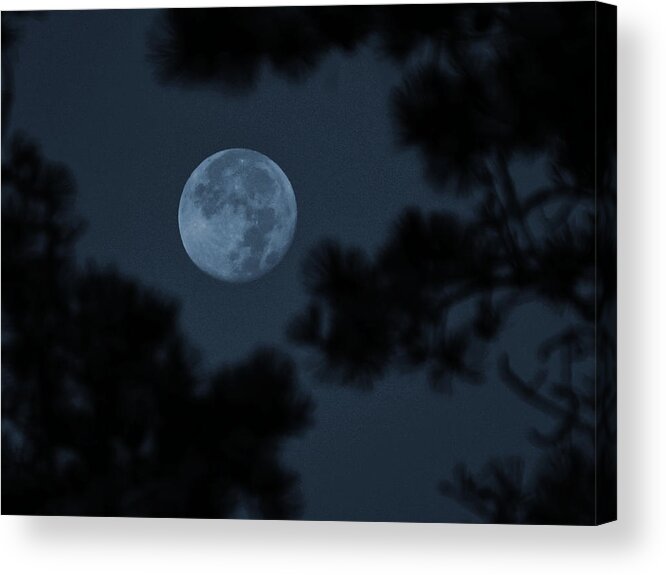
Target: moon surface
237	215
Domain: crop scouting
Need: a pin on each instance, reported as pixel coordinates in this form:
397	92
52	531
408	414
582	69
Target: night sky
86	92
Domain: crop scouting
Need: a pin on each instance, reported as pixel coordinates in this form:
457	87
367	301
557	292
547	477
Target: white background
636	543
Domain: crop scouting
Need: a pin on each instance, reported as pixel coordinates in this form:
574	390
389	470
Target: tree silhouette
104	409
484	87
226	48
11	34
471	112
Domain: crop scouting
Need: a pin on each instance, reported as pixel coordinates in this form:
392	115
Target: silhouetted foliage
104	409
227	48
531	90
484	86
11	33
559	491
445	284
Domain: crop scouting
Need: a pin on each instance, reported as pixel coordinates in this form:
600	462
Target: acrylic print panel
324	263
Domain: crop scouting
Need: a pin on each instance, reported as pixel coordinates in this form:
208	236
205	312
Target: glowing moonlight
237	215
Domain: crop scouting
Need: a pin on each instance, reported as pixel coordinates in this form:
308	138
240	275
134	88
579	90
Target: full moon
237	215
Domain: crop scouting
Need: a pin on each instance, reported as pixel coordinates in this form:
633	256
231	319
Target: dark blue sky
85	91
